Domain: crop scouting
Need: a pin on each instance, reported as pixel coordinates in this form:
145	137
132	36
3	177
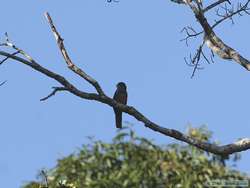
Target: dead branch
215	4
44	176
110	1
210	38
100	96
230	12
190	33
66	57
55	90
5	59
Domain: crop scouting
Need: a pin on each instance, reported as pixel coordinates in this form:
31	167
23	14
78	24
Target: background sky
137	42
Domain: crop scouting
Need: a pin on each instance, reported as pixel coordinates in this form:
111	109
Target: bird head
121	86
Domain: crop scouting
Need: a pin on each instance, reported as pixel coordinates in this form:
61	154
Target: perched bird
121	97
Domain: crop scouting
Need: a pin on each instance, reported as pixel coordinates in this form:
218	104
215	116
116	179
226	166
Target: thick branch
216	44
190	33
34	65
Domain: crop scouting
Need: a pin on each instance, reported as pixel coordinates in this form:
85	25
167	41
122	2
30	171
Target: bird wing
120	97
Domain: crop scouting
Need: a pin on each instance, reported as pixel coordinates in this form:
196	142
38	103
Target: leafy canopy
131	161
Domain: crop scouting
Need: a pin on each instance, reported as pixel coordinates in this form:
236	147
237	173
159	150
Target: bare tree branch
55	90
196	59
110	1
70	64
34	65
5	59
216	44
45	178
211	6
229	13
190	33
223	150
210	38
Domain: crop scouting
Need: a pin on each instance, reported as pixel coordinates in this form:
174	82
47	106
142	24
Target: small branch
66	57
229	13
55	89
3	82
5	59
194	61
110	1
215	5
45	178
190	33
18	50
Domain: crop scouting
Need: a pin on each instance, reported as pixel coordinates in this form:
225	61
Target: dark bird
121	97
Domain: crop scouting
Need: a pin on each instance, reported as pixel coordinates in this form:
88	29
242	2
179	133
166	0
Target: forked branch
210	38
67	59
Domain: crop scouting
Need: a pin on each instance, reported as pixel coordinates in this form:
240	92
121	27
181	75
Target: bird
120	96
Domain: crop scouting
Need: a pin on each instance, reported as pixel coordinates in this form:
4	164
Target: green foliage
131	161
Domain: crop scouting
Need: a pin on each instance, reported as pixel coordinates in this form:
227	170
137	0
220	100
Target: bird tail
118	120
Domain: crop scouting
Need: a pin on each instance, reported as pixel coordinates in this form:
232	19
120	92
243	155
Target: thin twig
230	13
45	177
5	59
215	5
3	82
55	89
196	60
190	33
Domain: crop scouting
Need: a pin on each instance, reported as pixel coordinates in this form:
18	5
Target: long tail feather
118	119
